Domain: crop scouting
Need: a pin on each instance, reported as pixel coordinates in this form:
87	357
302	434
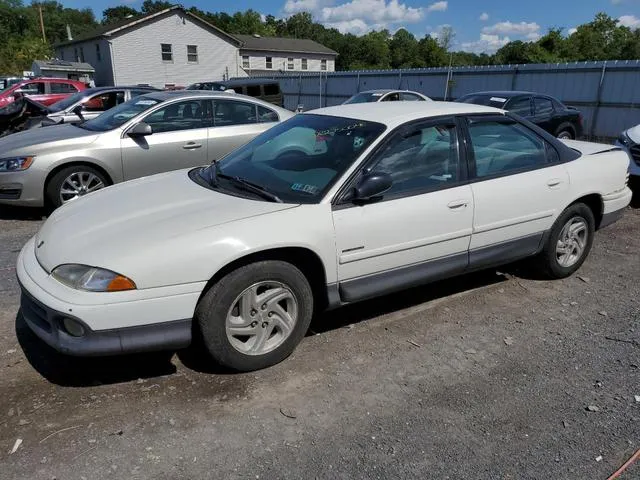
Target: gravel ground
488	376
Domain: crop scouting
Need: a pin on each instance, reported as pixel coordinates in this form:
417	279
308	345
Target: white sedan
328	208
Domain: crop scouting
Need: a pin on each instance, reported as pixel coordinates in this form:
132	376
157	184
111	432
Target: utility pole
44	37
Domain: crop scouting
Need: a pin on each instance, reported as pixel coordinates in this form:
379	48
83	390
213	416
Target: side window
543	106
425	158
505	147
103	101
392	97
271	89
34	88
137	93
409	97
253	90
520	106
186	115
266	115
62	88
231	112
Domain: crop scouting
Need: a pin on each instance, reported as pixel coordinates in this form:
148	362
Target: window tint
543	106
392	97
62	88
34	88
271	89
185	115
167	52
422	159
503	147
103	101
410	97
253	90
230	112
266	115
520	106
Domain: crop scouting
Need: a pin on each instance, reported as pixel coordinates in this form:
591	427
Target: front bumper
25	188
114	323
634	161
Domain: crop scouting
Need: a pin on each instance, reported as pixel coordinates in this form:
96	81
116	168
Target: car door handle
456	204
191	145
554	182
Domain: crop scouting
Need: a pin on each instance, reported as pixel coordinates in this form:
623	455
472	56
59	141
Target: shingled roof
283	44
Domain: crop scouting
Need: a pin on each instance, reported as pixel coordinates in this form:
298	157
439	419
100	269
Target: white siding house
169	48
176	48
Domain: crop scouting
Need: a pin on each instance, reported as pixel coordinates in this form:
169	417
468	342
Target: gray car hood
634	134
116	227
30	142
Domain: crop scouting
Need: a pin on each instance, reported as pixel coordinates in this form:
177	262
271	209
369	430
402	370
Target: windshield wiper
251	187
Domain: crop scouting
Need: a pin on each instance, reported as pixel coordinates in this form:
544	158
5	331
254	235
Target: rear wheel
569	242
255	316
565	135
73	182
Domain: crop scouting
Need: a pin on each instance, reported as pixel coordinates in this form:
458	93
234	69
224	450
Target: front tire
73	182
569	242
565	135
255	316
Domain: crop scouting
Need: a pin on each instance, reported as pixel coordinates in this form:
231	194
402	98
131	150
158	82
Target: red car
46	91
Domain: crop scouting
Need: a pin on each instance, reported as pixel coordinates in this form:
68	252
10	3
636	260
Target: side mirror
78	111
372	185
140	130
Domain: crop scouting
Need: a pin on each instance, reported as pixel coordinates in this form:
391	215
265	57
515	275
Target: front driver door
420	229
179	140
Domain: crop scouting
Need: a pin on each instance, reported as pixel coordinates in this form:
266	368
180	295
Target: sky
480	25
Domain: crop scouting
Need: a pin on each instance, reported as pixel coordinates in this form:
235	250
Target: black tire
565	133
211	313
53	186
547	260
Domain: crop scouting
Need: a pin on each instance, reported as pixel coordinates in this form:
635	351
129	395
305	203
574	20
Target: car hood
115	227
634	134
30	142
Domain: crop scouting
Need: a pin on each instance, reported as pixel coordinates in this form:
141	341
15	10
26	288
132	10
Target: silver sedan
386	95
149	134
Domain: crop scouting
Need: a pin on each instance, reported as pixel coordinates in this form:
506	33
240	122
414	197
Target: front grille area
10	193
35	313
635	153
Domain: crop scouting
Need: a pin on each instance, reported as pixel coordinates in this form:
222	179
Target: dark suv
545	111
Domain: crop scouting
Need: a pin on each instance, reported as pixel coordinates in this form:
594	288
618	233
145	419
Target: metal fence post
358	87
400	80
514	78
598	102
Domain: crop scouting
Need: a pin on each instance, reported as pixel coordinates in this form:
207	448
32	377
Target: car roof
89	91
387	90
393	114
507	93
165	95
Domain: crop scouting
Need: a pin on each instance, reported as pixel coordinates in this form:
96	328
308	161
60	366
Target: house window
290	63
81	54
98	54
246	63
192	53
167	52
304	64
62	54
269	62
323	64
75	54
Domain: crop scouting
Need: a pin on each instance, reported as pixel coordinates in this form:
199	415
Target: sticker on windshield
301	187
146	102
498	99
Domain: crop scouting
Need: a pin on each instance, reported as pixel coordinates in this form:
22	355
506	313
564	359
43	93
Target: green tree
153	6
405	51
115	14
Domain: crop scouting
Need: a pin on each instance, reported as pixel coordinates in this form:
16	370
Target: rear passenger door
519	187
235	123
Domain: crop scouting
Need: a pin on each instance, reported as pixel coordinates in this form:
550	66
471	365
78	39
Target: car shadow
68	371
8	212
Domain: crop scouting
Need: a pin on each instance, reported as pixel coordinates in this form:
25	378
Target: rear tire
255	316
565	135
568	243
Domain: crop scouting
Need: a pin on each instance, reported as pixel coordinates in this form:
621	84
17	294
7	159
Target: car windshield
118	116
67	102
486	100
365	97
296	161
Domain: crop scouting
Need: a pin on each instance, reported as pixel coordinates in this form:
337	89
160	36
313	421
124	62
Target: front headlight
15	164
623	139
92	279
